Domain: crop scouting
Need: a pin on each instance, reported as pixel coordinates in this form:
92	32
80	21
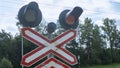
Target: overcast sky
97	10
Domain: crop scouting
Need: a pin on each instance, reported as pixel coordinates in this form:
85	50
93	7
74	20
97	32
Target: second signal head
70	19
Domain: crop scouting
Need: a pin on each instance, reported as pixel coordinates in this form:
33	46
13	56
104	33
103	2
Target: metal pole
50	36
22	48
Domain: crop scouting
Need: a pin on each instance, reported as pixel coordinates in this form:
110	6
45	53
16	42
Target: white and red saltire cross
46	47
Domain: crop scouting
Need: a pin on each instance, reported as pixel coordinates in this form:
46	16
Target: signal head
70	19
30	15
51	27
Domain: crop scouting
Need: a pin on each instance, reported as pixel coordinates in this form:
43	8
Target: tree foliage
5	63
111	34
93	40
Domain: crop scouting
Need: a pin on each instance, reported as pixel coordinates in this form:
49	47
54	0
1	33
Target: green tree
91	37
98	44
10	48
110	33
5	43
86	36
5	63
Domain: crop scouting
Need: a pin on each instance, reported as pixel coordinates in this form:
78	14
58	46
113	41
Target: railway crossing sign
52	63
46	47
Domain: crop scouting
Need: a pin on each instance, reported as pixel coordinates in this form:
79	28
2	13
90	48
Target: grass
104	66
